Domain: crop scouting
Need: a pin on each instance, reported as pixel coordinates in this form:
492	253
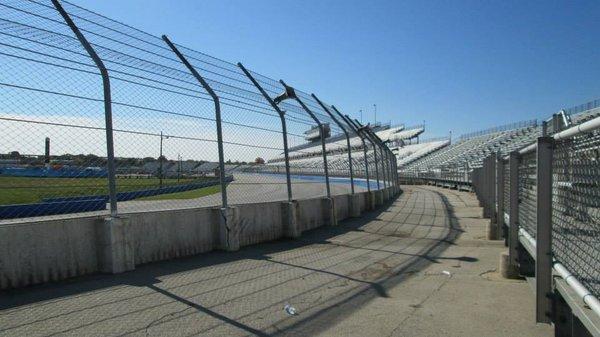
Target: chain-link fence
528	193
98	115
557	212
506	189
576	207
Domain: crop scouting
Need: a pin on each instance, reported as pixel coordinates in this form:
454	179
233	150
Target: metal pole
178	167
375	108
322	130
347	139
500	195
110	149
217	117
362	129
364	145
394	168
543	260
388	155
383	153
365	149
513	235
160	162
283	128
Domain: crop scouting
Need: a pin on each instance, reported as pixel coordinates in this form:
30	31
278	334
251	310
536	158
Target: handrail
571	132
587	297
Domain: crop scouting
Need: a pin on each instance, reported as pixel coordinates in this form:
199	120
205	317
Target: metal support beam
281	113
362	129
489	187
364	145
513	234
110	148
384	153
321	130
347	139
543	261
215	98
500	196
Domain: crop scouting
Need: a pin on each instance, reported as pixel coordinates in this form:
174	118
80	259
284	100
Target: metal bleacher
469	150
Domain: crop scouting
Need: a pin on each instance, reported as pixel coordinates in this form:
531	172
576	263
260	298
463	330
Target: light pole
375	109
361	120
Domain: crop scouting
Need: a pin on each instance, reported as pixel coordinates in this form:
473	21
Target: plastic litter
445	272
290	310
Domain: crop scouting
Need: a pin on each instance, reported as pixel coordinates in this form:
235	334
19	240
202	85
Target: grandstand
412	152
442	160
307	158
420	158
468	152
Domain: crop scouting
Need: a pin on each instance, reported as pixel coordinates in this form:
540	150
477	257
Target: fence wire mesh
55	144
51	97
576	208
528	193
506	184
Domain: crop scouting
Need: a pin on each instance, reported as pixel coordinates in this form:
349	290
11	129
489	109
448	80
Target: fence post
490	194
543	261
393	167
347	139
395	158
364	145
215	98
321	130
229	230
362	128
110	149
283	128
500	197
383	156
513	235
386	162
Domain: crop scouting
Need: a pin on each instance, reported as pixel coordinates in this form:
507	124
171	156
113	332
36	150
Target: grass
23	190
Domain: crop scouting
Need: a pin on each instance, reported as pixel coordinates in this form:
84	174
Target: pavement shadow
338	309
332	309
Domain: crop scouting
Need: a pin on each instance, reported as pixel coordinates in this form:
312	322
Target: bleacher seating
469	151
412	152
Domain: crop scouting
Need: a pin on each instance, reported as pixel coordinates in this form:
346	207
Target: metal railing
511	126
545	199
111	115
552	219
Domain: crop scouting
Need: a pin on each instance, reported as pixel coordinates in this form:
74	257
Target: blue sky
458	65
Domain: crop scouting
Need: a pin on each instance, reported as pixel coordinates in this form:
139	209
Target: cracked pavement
381	275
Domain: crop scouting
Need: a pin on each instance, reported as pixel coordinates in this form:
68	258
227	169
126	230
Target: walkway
384	275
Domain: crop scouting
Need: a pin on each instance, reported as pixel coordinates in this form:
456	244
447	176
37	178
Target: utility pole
179	166
361	120
160	160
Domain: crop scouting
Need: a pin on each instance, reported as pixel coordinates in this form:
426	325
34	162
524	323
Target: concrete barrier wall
51	250
39	252
260	222
342	206
310	214
165	235
363	201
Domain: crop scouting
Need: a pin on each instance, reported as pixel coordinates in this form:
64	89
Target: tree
15	155
259	160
